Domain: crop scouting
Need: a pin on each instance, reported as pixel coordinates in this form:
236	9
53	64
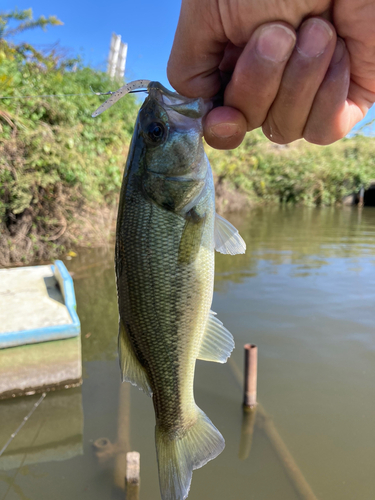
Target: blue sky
147	26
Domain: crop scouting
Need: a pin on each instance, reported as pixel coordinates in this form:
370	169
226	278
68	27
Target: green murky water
305	294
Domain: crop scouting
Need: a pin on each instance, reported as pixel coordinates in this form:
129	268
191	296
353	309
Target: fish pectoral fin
217	343
179	456
131	369
191	237
227	239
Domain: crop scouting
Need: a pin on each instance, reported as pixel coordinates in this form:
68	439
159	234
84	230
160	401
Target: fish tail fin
178	457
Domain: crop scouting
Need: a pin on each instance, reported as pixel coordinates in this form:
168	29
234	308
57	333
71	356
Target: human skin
297	68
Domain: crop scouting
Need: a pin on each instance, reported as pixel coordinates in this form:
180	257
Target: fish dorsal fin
131	369
217	343
227	238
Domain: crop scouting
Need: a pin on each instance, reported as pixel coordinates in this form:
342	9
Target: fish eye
155	131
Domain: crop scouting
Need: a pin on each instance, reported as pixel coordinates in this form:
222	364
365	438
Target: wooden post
123	434
251	375
132	479
361	197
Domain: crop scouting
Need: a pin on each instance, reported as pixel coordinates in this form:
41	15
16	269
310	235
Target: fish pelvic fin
131	369
227	239
178	457
217	342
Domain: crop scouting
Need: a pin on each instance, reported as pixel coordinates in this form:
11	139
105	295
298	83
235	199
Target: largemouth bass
167	232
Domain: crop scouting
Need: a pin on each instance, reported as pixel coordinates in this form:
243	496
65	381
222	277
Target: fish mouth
172	101
163	95
156	88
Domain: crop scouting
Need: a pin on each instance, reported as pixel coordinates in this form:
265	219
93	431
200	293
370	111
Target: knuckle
320	138
277	134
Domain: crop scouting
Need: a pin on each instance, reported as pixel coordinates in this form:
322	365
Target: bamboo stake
296	477
251	376
132	479
249	400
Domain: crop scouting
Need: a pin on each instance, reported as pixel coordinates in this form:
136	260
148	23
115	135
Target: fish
166	237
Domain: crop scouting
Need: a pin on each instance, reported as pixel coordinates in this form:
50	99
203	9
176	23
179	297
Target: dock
40	342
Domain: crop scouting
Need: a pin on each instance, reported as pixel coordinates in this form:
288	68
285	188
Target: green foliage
54	157
28	22
297	173
24	21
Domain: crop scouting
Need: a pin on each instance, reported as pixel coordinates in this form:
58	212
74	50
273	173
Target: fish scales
167	302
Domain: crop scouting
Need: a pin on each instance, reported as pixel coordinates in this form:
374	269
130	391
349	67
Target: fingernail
339	52
224	130
314	37
275	42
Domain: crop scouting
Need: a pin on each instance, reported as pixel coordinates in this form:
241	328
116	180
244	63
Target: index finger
198	48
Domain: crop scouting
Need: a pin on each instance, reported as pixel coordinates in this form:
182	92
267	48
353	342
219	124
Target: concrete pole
121	63
110	55
116	49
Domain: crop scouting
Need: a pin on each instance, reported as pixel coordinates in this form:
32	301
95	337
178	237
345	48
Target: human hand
292	84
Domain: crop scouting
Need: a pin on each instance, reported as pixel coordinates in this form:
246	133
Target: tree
24	21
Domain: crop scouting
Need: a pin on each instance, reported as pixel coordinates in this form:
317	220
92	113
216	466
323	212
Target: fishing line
25	419
66	95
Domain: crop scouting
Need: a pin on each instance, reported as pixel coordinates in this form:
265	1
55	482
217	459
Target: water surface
305	294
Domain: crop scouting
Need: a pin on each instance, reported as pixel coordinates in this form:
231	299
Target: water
305	294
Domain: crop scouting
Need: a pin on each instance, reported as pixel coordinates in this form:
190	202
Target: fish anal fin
131	369
217	343
179	456
227	239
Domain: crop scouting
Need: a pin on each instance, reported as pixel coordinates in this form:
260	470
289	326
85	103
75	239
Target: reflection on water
304	293
54	432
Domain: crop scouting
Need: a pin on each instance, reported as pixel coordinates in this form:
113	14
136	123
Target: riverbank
298	173
60	170
51	204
